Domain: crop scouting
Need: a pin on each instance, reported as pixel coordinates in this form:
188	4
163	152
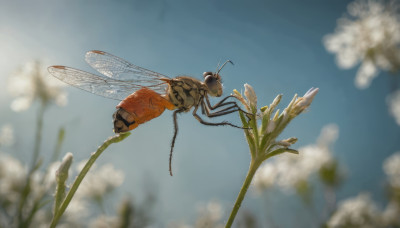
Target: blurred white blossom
391	166
104	221
210	215
329	134
178	224
32	82
100	180
393	102
266	176
76	210
391	215
287	170
357	212
12	178
369	34
49	179
7	135
295	169
41	219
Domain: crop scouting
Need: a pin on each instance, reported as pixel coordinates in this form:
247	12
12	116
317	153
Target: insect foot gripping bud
139	107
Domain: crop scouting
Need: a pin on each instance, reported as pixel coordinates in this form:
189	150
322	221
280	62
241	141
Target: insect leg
222	112
211	124
174	138
221	103
205	110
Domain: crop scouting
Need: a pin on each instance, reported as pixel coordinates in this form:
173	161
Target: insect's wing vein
120	69
103	86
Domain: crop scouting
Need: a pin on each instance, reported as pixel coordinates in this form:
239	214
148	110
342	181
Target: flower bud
251	96
62	171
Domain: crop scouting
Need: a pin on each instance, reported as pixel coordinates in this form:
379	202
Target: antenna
227	61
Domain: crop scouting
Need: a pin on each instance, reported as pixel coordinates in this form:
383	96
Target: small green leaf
280	151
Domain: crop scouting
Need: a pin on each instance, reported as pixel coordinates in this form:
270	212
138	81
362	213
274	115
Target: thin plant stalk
34	163
60	211
38	136
249	177
60	140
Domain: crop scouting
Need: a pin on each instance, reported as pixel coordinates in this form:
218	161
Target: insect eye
210	80
205	74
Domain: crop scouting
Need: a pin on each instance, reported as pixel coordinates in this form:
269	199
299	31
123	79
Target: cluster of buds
262	139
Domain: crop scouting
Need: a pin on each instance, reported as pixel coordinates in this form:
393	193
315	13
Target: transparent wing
100	85
118	68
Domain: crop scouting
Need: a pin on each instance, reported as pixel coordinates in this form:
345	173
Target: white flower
391	214
12	178
104	221
77	209
214	208
393	102
369	34
329	134
50	176
41	219
7	135
209	215
356	212
297	168
299	104
391	166
288	170
178	224
365	74
100	181
266	176
32	82
251	96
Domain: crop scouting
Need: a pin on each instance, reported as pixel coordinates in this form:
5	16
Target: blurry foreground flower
393	102
12	180
32	82
104	221
210	215
6	135
357	212
293	172
23	199
391	166
391	215
262	140
100	181
370	35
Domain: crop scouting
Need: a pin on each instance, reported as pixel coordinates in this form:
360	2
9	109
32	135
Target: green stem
82	174
60	140
34	165
38	136
250	174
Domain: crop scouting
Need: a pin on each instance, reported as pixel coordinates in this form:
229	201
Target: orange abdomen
144	105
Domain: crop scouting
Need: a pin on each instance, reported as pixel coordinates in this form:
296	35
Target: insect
145	94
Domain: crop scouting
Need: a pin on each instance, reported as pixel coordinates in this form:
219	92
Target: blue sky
276	47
